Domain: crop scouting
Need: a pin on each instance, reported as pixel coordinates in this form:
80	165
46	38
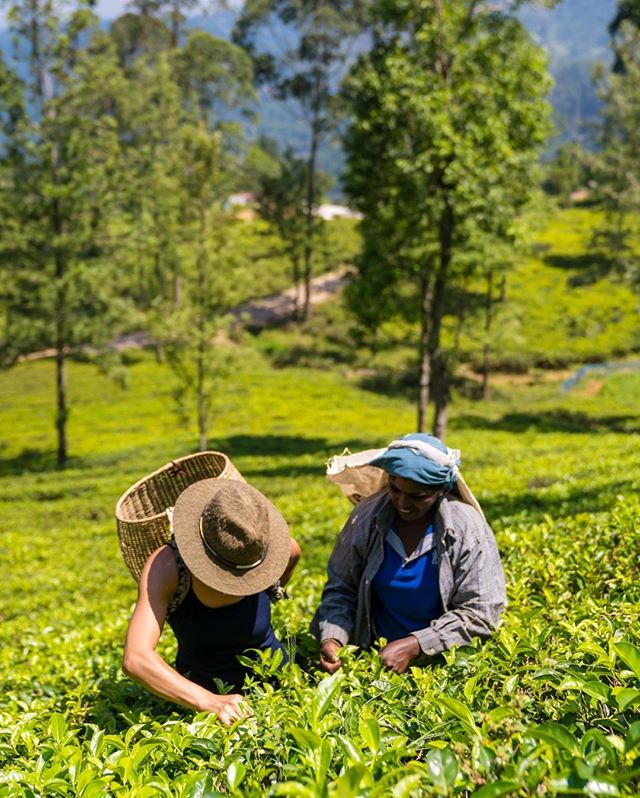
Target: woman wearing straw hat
230	545
416	563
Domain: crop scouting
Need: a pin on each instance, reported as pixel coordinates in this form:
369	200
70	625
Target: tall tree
617	164
566	171
282	202
62	158
149	27
175	14
317	39
153	114
627	16
203	80
191	333
215	76
449	116
183	154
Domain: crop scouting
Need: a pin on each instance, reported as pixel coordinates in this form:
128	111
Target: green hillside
563	308
549	706
563	305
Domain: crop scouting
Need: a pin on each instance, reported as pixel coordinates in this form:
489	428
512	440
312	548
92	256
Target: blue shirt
405	592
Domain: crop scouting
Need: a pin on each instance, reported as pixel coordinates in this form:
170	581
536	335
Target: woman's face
411	500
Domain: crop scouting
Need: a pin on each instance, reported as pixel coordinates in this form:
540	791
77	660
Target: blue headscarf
422	458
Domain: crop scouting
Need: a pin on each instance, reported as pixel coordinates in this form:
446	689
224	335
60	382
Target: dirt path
280	307
256	314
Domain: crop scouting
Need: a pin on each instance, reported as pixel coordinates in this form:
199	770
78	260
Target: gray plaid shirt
470	576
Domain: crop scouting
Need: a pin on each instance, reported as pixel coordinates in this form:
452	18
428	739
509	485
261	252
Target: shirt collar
425	545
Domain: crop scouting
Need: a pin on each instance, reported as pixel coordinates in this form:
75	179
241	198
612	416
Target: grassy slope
562	499
562	308
570	311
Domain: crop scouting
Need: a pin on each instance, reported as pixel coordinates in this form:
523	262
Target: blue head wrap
422	458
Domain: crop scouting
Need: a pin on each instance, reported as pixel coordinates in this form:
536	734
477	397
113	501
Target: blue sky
107	9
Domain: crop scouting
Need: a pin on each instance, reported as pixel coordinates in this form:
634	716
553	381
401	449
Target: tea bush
549	706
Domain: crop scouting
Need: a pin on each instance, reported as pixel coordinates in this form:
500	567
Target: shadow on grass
590	267
404	383
536	504
34	461
287	446
258	445
287	471
559	420
387	382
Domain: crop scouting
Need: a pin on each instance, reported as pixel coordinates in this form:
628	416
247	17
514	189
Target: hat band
228	563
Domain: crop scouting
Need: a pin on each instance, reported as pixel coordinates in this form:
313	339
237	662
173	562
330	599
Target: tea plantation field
549	706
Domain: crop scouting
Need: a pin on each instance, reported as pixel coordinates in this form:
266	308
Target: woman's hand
228	708
398	654
329	660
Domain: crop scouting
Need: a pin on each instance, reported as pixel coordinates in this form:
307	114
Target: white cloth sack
357	479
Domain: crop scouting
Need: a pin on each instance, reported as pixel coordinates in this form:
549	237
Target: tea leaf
556	735
630	654
235	774
370	732
442	766
325	693
496	789
460	711
57	727
632	740
306	739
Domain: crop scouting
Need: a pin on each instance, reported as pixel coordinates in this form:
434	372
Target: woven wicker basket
141	512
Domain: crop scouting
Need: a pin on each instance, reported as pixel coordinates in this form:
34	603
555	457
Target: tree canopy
449	117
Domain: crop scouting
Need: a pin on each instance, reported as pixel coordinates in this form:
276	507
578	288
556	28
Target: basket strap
184	579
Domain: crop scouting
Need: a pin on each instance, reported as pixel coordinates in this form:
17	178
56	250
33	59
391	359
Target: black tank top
210	638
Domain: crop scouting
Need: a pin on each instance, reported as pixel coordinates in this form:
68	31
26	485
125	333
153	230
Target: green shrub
549	706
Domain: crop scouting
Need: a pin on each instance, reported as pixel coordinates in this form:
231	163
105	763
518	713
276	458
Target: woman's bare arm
158	582
294	556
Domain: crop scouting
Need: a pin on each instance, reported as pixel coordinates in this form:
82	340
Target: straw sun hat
230	536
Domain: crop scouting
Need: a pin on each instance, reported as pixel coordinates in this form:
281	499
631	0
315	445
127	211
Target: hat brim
187	512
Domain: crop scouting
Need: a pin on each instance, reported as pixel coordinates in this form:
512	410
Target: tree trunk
60	314
310	226
61	404
202	402
462	316
177	298
440	371
295	276
201	398
175	21
35	35
61	340
425	358
441	397
486	349
503	289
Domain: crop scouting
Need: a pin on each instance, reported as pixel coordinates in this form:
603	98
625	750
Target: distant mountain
574	34
573	30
